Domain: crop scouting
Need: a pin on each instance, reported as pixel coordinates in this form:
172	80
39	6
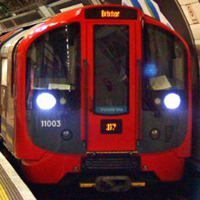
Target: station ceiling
13	5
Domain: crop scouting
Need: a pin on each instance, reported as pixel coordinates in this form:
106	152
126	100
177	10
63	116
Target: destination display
110	13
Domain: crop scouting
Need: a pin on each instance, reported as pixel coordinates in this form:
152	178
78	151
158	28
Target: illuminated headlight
46	101
172	101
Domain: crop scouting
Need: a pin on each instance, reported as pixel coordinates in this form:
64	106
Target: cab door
112	111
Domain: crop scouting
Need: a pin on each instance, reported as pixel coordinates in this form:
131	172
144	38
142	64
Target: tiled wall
191	9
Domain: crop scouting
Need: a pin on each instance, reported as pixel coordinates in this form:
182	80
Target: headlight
172	101
46	101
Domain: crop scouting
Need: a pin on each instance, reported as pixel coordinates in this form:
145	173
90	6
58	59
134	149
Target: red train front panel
102	89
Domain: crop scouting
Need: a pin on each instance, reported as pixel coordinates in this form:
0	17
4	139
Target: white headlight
172	101
46	101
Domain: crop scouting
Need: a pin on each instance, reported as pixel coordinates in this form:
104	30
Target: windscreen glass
53	65
164	65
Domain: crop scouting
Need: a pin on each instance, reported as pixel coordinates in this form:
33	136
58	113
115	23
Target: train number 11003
50	123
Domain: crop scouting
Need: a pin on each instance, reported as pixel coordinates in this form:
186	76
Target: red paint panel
126	141
50	168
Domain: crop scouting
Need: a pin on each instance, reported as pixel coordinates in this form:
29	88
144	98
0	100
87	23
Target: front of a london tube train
104	92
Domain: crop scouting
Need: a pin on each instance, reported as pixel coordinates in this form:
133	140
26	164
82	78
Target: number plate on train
111	126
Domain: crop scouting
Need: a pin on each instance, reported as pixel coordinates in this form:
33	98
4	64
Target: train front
105	94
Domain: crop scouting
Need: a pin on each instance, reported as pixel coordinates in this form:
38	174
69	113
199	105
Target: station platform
11	185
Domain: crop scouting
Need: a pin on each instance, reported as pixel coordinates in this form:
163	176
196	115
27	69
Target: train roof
72	14
78	15
14	38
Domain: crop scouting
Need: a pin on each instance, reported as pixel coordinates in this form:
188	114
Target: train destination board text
111	13
107	13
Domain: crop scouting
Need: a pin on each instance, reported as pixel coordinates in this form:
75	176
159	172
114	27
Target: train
101	94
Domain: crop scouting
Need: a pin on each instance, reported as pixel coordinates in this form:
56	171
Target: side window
13	68
4	75
4	82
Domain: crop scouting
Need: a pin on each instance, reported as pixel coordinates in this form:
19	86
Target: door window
111	69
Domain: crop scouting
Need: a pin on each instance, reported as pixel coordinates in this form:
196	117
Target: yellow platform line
3	195
9	139
21	187
3	127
